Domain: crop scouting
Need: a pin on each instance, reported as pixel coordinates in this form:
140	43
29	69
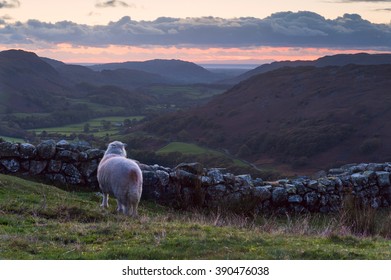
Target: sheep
120	177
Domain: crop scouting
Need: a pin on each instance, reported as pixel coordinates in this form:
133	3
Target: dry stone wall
192	185
60	163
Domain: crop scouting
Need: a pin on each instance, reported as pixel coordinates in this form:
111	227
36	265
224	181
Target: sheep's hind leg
134	206
120	207
105	201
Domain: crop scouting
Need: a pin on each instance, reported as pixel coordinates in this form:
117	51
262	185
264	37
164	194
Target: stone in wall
11	165
27	151
9	150
37	167
46	149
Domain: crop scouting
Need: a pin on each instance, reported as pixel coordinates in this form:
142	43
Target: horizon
216	66
224	64
205	32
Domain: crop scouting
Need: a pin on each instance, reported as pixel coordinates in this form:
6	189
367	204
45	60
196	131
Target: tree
106	124
127	123
86	128
244	151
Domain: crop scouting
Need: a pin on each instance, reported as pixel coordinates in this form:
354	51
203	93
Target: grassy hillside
310	118
42	222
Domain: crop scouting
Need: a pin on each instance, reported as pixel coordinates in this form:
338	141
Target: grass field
95	124
187	149
12	139
193	149
43	222
96	107
191	92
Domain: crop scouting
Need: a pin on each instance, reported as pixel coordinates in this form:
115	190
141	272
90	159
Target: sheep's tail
135	177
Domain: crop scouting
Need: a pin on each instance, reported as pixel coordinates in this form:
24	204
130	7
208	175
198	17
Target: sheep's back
115	175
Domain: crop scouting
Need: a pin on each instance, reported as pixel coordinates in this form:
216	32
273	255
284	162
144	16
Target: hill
125	78
333	60
39	92
40	221
308	117
42	92
177	71
24	73
29	84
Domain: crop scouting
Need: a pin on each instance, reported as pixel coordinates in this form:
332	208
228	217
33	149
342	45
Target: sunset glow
257	55
249	31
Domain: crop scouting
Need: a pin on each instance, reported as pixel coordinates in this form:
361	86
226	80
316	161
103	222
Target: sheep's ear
125	145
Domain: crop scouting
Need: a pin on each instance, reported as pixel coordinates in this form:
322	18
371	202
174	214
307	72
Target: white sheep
120	177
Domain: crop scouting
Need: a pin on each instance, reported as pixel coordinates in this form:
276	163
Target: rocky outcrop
192	185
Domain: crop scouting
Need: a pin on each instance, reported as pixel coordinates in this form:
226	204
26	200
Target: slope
308	117
43	222
29	84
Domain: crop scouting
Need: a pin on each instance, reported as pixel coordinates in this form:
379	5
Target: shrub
244	151
358	217
370	145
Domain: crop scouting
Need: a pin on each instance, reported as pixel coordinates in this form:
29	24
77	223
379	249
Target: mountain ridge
32	84
329	60
172	69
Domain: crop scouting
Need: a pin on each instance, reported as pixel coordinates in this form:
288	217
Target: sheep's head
117	148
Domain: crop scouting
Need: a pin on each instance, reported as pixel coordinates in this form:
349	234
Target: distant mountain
32	84
125	78
177	71
333	60
302	116
358	59
29	83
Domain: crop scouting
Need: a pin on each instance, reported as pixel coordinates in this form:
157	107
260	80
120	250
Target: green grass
190	92
24	115
96	107
187	149
193	149
43	222
97	121
94	124
12	139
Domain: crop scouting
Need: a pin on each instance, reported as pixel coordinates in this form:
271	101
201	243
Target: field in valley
96	126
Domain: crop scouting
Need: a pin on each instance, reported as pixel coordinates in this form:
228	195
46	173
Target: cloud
112	4
284	29
6	17
10	4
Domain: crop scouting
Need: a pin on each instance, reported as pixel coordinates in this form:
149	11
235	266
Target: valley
287	118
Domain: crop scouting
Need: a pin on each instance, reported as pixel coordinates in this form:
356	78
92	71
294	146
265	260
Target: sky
202	31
